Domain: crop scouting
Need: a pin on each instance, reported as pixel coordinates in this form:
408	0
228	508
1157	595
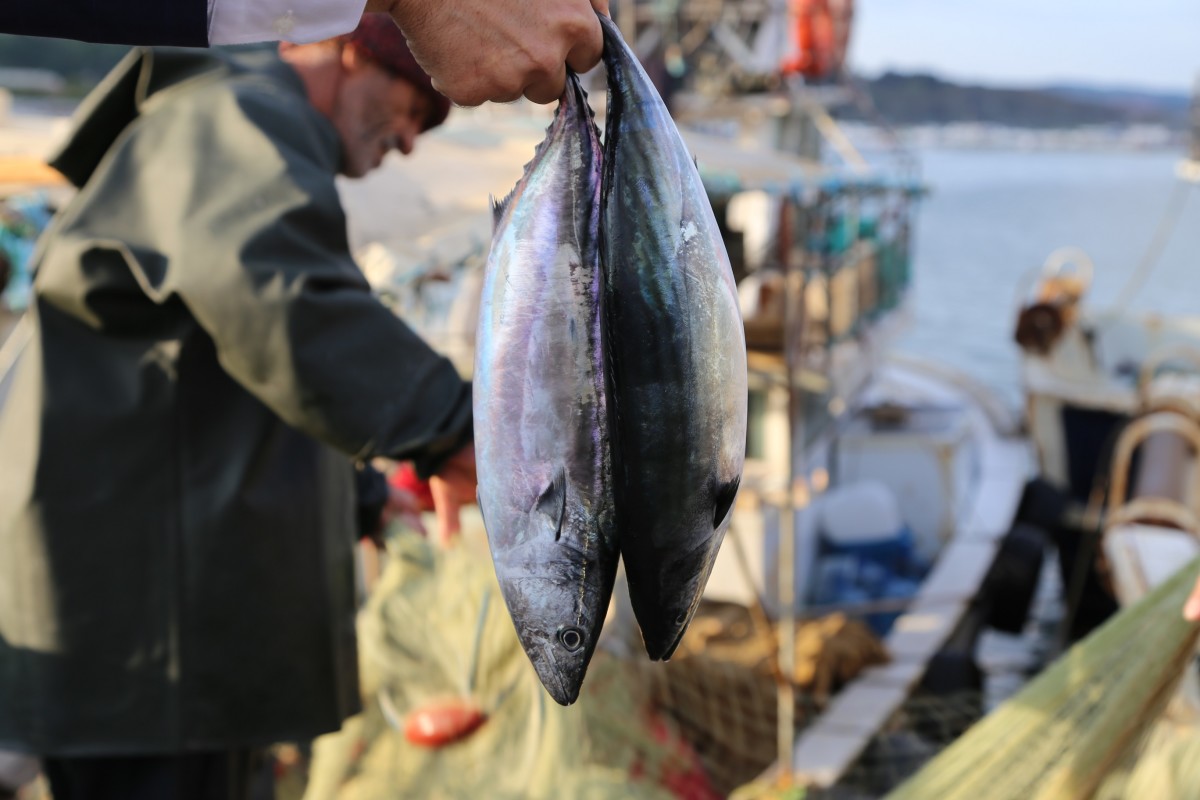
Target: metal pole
1196	122
793	326
786	695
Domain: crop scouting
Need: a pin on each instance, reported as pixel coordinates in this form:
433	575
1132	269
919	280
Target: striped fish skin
540	404
677	354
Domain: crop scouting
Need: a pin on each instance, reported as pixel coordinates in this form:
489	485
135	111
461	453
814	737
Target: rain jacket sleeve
263	266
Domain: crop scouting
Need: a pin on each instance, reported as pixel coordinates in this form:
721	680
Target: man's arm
476	50
259	257
499	50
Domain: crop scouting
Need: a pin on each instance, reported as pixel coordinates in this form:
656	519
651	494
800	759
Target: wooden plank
864	708
917	636
824	754
958	572
900	672
1005	466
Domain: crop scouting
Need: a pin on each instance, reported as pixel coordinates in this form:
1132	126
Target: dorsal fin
499	207
573	84
573	80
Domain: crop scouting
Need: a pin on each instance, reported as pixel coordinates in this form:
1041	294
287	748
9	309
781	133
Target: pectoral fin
552	503
723	499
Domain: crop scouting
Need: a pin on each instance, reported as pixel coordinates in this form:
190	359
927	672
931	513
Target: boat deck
828	748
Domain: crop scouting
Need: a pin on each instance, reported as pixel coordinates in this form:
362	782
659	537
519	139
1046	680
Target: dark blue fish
677	355
540	404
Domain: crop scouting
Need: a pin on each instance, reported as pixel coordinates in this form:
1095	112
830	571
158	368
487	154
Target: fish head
556	582
677	582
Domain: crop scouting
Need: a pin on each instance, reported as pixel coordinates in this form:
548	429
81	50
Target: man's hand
499	50
402	505
452	488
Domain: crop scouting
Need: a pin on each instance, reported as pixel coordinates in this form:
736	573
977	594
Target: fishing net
695	727
720	687
1085	716
1166	768
436	628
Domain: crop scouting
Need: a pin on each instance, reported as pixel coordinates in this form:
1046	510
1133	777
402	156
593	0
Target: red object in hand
405	477
442	722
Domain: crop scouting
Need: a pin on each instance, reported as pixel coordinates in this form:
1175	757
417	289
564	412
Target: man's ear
353	59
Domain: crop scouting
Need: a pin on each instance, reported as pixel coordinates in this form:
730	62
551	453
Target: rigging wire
1158	243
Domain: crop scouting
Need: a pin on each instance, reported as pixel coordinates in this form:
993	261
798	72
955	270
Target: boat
1113	402
850	445
852	449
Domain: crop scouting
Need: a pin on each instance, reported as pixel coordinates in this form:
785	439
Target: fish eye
682	618
571	638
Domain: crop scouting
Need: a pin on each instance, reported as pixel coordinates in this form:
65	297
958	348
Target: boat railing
1174	505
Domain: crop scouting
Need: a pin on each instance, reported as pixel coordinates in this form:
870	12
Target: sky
1151	44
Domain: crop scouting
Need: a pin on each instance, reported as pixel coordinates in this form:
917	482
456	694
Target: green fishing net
436	627
1083	717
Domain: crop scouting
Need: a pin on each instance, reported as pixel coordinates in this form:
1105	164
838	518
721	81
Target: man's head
370	87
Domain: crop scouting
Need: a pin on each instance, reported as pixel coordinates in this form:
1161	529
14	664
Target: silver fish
540	404
677	353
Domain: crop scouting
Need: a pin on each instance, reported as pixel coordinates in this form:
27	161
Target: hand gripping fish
677	355
540	407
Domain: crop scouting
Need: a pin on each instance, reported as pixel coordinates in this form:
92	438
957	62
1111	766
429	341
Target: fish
677	355
540	404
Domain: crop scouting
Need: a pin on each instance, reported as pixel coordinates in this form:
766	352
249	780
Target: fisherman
176	487
476	50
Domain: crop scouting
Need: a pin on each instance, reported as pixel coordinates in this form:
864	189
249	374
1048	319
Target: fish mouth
552	678
664	654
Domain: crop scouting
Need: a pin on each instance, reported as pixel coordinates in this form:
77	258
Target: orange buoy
821	31
442	722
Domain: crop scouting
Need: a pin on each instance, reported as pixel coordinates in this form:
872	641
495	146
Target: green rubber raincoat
176	496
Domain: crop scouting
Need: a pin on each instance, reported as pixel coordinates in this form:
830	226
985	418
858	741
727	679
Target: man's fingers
550	89
588	48
446	506
402	500
415	522
406	507
470	95
498	50
380	7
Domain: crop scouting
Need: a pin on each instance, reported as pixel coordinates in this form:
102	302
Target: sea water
992	216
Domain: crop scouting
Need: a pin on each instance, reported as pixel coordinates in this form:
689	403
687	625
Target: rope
1161	236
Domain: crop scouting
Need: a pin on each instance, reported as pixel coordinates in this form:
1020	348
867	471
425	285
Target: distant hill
1133	101
923	99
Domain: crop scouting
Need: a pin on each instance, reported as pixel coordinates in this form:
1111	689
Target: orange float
442	722
821	32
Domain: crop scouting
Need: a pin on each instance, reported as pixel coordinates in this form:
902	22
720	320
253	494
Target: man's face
375	112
